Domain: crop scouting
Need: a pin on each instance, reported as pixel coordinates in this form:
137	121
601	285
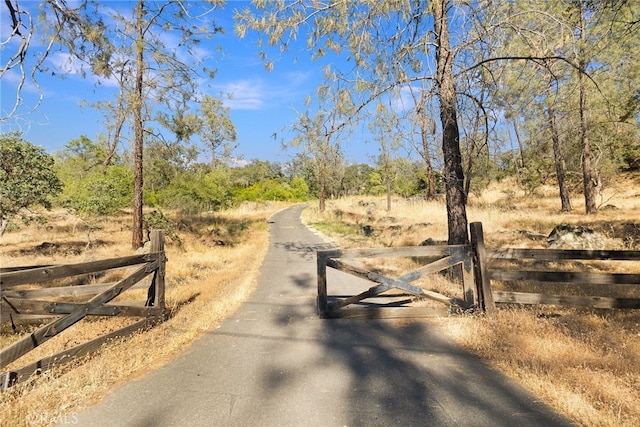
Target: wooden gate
18	302
382	299
479	269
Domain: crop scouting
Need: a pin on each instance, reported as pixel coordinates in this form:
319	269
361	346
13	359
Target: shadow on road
276	363
374	372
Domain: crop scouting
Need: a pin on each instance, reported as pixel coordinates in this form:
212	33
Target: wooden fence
379	302
554	270
32	292
480	266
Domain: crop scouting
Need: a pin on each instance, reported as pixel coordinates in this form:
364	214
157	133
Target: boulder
567	236
431	242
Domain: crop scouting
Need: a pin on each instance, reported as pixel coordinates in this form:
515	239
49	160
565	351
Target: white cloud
245	94
66	63
403	100
237	162
12	78
298	78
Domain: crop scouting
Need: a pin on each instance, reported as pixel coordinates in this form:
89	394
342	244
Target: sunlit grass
205	282
584	363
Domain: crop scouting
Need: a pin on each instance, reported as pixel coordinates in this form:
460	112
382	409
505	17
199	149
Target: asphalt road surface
276	363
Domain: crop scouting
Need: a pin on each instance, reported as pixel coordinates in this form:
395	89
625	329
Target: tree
27	177
583	52
447	95
389	44
411	179
426	126
149	49
386	131
198	189
90	187
322	132
158	75
355	179
217	130
256	171
164	160
58	23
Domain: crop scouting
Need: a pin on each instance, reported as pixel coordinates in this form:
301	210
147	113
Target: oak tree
27	177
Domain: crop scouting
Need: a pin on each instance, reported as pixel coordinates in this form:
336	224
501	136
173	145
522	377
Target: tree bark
388	185
468	174
323	177
427	158
558	158
519	140
589	176
136	241
453	174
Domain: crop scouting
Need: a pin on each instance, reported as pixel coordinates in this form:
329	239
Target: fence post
483	283
323	305
157	245
468	280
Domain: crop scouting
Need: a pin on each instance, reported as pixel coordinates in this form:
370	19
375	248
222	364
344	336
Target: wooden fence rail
448	257
19	304
477	289
607	281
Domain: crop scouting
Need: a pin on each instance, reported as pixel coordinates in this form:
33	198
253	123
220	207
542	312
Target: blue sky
263	102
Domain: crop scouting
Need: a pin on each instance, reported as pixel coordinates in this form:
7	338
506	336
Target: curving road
275	363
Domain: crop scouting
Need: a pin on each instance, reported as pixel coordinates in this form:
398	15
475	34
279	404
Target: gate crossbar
453	255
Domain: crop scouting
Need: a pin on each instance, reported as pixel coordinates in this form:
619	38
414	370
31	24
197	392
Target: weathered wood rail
18	303
608	282
448	258
479	269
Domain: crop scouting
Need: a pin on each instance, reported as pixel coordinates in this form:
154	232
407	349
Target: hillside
583	362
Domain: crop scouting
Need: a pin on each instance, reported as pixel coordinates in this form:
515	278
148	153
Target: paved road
275	363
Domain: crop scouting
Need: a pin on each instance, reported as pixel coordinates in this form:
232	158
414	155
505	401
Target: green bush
193	192
27	177
272	190
98	193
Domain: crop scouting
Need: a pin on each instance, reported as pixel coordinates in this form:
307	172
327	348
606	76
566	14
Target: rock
532	236
609	208
145	249
631	235
431	242
567	236
367	230
46	245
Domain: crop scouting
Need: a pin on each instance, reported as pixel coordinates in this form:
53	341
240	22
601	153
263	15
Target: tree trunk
427	158
558	158
519	140
453	174
468	174
388	184
323	178
138	182
589	176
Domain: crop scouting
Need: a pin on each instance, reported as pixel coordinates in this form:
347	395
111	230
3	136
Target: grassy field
208	276
585	363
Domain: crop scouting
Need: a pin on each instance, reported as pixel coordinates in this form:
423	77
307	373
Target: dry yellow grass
205	283
584	363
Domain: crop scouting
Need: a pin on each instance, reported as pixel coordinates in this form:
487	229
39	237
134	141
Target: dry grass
205	281
584	363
